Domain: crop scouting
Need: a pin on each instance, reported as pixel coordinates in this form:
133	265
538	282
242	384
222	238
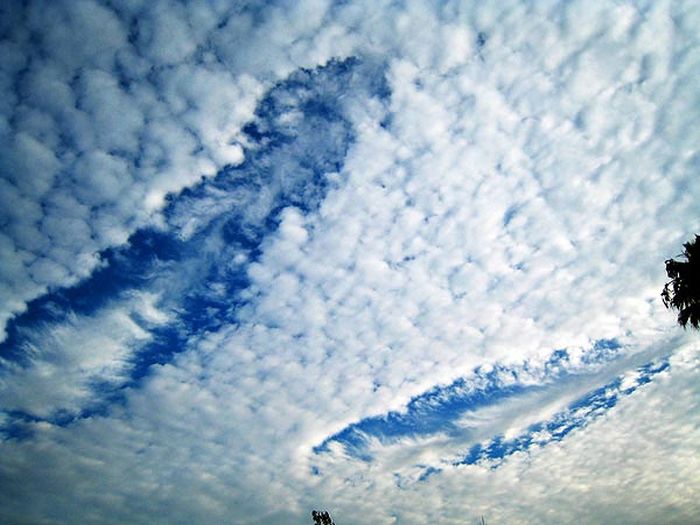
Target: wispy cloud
61	362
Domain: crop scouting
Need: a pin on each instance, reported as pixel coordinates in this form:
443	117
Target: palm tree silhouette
682	292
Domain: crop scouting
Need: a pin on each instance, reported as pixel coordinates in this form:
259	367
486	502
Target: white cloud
532	169
184	449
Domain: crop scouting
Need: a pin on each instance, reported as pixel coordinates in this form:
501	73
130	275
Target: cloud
636	450
101	133
600	472
61	361
481	188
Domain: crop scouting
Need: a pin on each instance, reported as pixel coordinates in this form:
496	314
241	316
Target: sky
400	260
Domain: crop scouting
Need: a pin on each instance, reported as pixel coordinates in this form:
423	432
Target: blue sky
397	260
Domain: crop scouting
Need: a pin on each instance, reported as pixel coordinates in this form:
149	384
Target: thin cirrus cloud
398	260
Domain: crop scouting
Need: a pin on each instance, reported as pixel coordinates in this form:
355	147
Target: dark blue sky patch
158	351
428	472
605	346
19	425
434	411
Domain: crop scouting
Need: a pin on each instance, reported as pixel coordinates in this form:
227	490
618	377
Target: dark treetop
682	292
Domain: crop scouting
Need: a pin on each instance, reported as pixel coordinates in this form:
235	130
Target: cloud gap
440	409
577	415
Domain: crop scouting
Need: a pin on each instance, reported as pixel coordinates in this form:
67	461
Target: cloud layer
397	260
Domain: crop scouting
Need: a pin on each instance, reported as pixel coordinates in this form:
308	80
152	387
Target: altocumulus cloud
400	260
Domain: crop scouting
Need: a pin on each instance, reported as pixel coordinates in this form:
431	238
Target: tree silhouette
322	518
682	292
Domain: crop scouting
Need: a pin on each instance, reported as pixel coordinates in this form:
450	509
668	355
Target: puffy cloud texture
400	260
